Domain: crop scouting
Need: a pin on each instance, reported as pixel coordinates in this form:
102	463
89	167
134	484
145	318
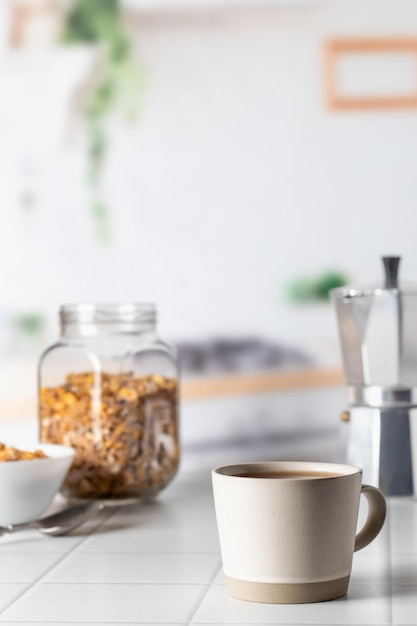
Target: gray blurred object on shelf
236	355
378	335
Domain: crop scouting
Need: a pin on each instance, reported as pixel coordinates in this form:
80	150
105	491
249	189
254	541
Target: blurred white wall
234	180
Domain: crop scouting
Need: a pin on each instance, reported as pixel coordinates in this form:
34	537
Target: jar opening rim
105	313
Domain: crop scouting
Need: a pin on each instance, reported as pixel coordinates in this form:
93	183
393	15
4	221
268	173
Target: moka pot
378	337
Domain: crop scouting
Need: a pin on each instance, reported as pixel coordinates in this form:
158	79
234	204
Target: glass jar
109	389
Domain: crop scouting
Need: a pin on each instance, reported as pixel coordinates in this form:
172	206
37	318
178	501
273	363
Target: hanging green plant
116	86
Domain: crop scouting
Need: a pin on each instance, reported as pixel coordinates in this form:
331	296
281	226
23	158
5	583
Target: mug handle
376	516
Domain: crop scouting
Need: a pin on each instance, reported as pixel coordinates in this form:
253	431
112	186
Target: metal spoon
59	523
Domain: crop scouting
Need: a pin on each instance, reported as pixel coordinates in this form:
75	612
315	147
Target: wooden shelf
259	382
199	388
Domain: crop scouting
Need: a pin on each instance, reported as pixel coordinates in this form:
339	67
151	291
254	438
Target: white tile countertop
159	563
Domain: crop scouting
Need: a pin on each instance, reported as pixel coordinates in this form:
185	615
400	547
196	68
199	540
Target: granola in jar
123	429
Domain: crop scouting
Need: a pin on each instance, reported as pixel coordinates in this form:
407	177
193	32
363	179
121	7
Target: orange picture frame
334	50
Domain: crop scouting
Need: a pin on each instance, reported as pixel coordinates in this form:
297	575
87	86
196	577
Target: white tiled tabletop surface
159	563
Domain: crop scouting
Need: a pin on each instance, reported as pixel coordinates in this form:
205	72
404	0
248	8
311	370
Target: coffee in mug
287	474
287	530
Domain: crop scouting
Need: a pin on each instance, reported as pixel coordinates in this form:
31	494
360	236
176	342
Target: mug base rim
287	593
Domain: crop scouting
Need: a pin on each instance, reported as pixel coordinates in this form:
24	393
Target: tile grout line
37	580
124	583
206	590
144	552
34	582
55	623
9	604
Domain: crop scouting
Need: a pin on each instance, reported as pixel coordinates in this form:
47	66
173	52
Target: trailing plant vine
115	87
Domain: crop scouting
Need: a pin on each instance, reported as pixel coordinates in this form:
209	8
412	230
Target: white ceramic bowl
27	488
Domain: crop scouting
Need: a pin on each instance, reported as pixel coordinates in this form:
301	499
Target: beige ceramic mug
287	530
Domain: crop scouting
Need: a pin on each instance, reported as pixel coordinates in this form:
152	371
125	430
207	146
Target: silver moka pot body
378	336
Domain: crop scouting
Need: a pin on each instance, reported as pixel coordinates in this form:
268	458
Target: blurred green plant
303	290
30	324
116	87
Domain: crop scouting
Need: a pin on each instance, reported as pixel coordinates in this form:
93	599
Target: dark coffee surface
288	474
